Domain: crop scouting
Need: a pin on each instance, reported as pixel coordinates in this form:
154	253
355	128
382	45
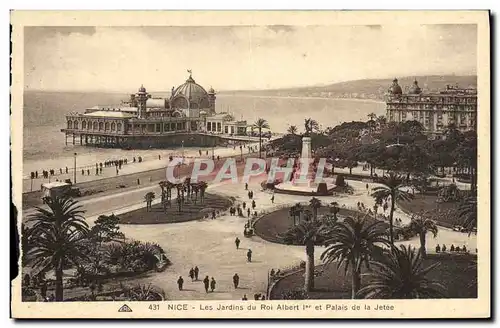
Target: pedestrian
191	274
36	174
244	297
248	212
83	172
443	248
253	204
272	199
180	282
249	255
249	195
66	170
138	181
236	280
88	172
96	171
196	272
244	205
159	157
237	242
100	170
212	284
206	282
246	186
116	170
263	297
60	171
452	248
213	215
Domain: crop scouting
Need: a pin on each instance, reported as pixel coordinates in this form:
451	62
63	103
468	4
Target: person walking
244	297
206	282
272	199
249	255
191	274
196	272
237	242
212	284
246	186
236	280
253	204
244	205
180	282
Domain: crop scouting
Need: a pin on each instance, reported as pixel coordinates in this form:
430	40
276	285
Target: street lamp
74	168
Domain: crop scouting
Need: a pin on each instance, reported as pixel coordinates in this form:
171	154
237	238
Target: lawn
190	211
428	203
272	225
456	273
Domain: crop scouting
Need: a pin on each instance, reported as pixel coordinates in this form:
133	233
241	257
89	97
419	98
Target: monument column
306	147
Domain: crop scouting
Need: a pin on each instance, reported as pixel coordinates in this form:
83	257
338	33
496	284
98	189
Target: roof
110	113
55	184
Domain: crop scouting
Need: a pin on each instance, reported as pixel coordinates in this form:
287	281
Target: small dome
415	89
395	89
142	89
211	90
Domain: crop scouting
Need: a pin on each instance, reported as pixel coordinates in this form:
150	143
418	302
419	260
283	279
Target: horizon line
317	85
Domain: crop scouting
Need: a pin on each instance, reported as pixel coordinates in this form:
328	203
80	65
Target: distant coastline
222	94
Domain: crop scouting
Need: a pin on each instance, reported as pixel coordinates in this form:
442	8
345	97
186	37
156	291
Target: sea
44	116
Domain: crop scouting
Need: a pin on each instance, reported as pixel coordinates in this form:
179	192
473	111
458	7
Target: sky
240	57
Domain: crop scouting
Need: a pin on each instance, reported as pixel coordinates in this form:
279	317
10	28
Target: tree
307	233
401	276
391	189
260	124
56	237
421	225
351	243
372	116
334	209
149	200
467	212
106	229
292	129
315	205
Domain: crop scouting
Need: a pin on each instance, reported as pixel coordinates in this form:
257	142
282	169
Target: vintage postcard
251	164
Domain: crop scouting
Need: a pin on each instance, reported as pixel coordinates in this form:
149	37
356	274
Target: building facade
435	111
144	121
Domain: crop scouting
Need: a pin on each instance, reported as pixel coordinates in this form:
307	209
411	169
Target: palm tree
315	205
292	129
391	188
468	213
260	124
307	233
421	225
401	276
351	243
149	199
334	209
55	237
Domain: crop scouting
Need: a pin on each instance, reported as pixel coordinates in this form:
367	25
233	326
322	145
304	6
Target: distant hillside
364	89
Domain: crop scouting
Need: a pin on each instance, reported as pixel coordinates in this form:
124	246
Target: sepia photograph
298	165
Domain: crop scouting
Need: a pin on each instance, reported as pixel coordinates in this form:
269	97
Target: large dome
190	95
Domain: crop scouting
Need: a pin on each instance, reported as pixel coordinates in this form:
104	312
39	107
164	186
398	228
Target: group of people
208	283
257	297
453	249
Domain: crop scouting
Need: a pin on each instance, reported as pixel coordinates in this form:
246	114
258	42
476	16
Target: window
226	129
94	126
106	126
84	125
113	126
158	128
119	126
70	124
219	127
101	126
166	127
232	129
